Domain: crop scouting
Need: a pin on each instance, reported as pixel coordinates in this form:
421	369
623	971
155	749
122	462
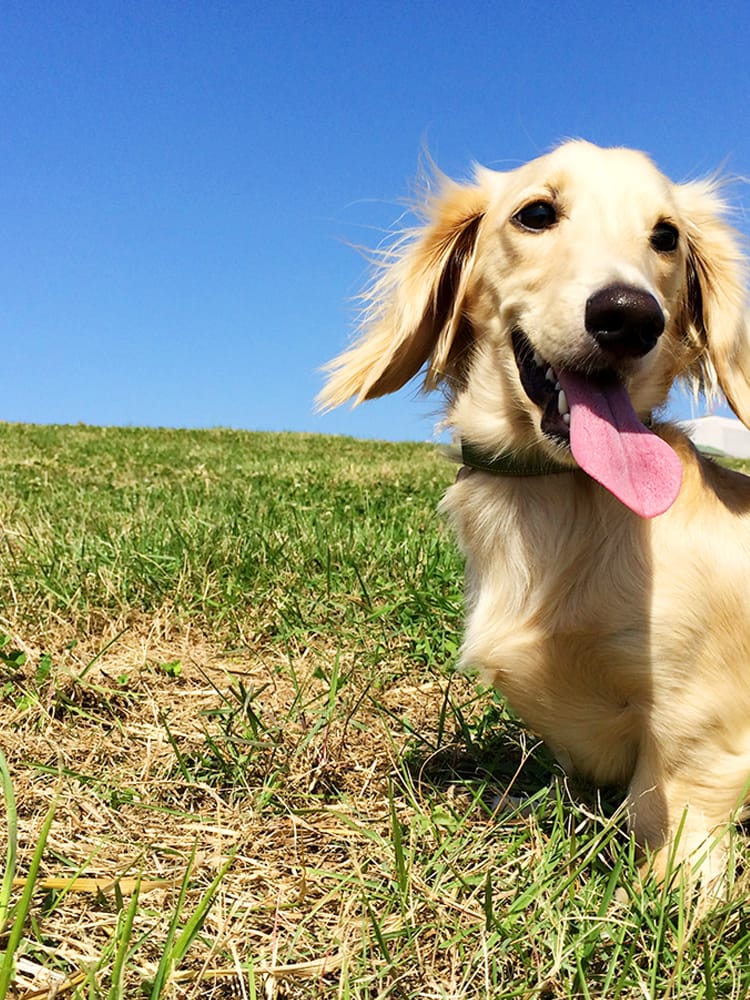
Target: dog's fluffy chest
587	618
559	613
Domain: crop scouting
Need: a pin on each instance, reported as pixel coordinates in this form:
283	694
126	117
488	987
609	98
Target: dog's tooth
537	359
557	386
549	375
562	402
566	419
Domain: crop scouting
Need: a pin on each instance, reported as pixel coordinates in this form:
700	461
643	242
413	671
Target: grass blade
176	945
23	906
123	934
10	852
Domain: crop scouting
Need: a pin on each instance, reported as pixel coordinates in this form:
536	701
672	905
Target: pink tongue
611	444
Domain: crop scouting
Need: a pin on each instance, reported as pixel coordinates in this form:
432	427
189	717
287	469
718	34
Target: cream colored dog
608	563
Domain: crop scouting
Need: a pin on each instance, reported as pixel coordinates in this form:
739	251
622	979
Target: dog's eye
665	237
537	215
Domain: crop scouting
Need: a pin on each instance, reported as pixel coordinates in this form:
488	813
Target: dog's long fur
624	642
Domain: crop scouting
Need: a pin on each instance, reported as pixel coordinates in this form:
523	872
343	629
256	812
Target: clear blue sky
181	182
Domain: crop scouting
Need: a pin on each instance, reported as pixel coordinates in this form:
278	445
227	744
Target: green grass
288	535
240	764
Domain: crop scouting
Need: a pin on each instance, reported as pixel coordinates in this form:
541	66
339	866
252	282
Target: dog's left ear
717	308
415	311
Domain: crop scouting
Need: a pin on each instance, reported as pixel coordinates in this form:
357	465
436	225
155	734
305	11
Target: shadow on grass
490	756
497	761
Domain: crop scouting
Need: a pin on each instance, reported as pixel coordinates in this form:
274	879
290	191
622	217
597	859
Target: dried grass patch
307	825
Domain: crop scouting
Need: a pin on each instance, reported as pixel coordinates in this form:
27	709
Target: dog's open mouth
542	386
593	414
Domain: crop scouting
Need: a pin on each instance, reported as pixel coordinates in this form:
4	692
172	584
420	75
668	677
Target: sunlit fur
625	643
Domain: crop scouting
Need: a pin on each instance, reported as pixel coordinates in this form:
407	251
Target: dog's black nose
624	321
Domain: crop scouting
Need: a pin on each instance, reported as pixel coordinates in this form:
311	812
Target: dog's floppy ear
415	308
718	321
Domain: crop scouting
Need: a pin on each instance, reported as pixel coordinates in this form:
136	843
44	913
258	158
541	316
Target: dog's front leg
681	820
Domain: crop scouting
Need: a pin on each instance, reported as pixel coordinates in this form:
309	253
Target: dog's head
585	270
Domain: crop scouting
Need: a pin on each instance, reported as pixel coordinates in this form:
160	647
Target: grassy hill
239	761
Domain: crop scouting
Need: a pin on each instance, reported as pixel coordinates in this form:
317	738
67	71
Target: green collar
508	463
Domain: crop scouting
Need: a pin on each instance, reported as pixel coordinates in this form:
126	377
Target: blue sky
182	183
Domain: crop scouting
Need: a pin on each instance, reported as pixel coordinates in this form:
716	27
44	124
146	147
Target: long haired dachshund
607	562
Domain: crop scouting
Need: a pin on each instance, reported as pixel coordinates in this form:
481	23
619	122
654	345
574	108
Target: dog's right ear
415	308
